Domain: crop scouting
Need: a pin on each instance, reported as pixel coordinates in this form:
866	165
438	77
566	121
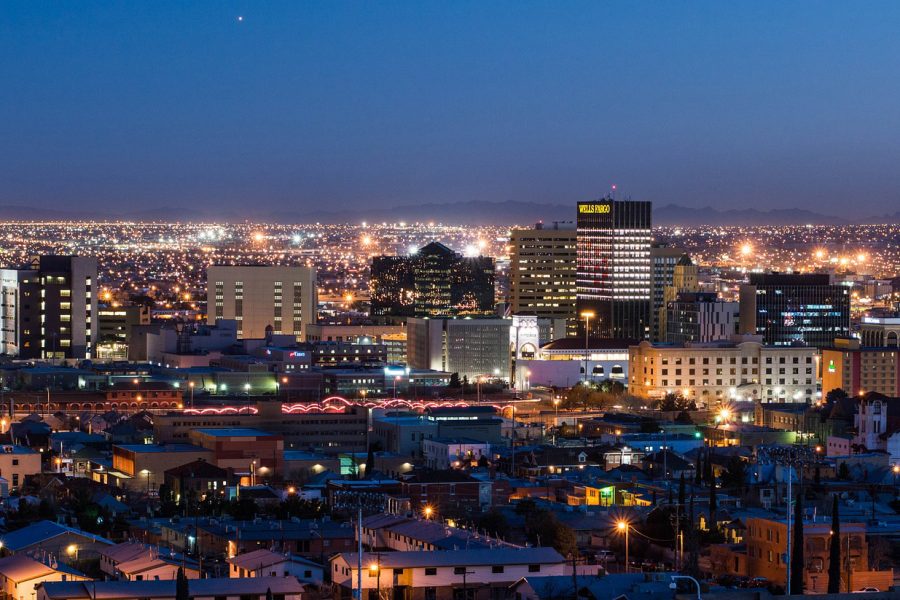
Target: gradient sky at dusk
123	105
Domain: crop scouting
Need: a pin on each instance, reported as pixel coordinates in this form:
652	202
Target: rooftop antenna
613	194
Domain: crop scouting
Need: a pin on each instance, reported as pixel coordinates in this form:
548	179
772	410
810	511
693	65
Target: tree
708	470
181	586
454	383
733	478
835	395
692	567
493	523
269	595
698	468
684	418
798	576
681	490
843	472
834	554
546	530
713	508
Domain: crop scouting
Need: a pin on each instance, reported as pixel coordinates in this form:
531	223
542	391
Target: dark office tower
795	309
58	307
614	279
433	282
663	260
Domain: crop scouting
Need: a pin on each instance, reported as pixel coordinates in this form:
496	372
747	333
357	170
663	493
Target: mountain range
459	213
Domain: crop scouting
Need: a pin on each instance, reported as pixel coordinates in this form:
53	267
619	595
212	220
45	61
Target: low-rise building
244	449
266	563
479	574
228	589
143	466
443	453
20	574
52	538
17	463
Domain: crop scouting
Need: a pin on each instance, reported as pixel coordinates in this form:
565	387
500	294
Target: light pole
191	385
677	577
147	472
556	421
623	527
396	379
587	315
375	571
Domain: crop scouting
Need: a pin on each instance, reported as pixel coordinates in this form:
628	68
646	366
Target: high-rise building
685	280
663	262
10	298
795	308
280	299
700	317
542	272
433	282
614	279
50	308
114	329
471	348
857	369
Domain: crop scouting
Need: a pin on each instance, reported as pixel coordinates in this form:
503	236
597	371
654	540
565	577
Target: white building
258	297
446	571
712	373
472	348
266	563
871	421
442	454
20	574
563	362
219	589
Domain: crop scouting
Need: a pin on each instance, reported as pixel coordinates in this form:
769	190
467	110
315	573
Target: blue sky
123	105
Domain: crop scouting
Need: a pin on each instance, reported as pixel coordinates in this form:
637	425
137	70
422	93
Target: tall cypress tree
798	575
698	468
692	567
834	554
713	507
708	474
181	586
681	490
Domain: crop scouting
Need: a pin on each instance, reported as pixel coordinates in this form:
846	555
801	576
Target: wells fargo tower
613	262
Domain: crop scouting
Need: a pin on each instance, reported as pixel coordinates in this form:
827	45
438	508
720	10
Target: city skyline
290	107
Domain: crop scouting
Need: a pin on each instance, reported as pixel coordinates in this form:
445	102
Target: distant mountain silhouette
459	213
672	214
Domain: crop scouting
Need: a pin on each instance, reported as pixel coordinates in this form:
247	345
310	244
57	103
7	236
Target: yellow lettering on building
594	209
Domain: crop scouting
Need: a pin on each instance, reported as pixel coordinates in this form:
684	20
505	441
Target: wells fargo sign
594	209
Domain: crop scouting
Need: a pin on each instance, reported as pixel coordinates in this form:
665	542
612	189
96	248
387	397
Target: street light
143	472
191	385
556	402
673	585
587	315
428	512
72	551
623	527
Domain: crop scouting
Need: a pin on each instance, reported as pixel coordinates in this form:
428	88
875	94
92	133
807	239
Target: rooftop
234	432
116	590
149	448
454	558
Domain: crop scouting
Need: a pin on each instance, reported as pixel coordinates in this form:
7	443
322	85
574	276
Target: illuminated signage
831	367
594	209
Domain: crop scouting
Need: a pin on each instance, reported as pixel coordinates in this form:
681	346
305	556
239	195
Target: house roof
265	558
19	568
453	558
39	532
116	590
198	468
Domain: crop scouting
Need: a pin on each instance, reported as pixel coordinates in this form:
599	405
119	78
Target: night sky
112	105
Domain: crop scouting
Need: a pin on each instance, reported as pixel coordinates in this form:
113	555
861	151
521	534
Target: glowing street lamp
587	315
623	526
428	512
